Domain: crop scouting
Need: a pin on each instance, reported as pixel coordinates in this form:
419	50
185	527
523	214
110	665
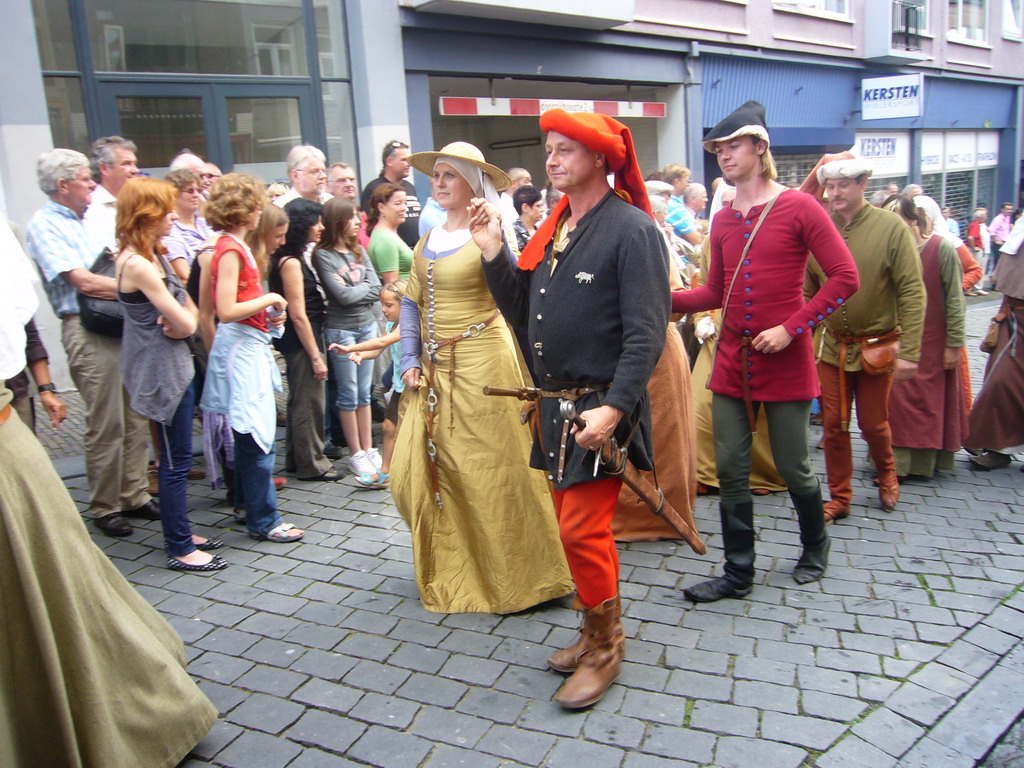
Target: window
967	20
908	22
985	190
161	126
197	37
793	169
53	32
1013	19
331	38
67	112
339	122
836	7
931	183
274	49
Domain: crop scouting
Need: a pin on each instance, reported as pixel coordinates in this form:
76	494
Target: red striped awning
484	106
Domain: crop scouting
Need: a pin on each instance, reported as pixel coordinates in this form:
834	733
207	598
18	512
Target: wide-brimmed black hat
747	120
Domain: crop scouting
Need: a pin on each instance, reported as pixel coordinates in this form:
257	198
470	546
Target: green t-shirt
389	253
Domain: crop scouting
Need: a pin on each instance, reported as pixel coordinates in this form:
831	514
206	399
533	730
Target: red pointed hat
599	133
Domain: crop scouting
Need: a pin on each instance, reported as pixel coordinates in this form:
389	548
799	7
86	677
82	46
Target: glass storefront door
236	126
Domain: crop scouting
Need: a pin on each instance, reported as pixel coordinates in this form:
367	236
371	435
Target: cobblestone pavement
319	655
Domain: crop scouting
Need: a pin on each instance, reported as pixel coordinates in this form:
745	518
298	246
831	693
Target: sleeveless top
156	368
316	307
249	284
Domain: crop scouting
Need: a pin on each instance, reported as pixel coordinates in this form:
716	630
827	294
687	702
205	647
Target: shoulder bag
102	316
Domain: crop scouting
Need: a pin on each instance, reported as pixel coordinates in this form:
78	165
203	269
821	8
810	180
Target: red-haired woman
156	361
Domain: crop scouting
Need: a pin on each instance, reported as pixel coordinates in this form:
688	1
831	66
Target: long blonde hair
273	216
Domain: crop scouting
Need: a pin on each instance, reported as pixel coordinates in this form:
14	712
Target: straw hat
462	150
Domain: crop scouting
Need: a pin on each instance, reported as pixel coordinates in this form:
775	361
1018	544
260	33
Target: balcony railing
907	20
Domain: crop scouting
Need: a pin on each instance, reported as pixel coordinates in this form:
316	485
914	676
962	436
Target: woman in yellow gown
484	534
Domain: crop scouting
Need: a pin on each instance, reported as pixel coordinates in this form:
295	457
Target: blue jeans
354	381
254	484
175	462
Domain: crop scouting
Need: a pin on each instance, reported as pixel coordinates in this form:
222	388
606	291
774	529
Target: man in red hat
600	251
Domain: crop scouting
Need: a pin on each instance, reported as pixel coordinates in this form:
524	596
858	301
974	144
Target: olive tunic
891	290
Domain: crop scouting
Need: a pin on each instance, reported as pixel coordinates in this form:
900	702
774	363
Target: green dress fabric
91	676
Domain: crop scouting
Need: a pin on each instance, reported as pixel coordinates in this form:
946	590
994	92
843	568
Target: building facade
931	90
241	82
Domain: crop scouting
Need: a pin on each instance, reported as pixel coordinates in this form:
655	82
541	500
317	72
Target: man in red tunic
765	356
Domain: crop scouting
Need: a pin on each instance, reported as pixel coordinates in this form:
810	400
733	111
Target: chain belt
432	347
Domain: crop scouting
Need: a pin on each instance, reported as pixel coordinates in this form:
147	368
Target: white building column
378	80
24	135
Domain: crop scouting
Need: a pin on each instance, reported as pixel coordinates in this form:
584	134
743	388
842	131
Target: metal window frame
100	89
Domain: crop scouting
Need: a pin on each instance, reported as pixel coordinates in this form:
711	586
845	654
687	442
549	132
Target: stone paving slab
319	655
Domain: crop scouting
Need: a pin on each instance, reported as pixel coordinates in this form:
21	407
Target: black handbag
102	316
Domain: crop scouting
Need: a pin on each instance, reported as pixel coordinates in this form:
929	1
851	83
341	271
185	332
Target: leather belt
573	394
844	344
748	401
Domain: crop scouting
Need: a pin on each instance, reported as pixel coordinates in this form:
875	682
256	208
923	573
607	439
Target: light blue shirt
241	378
679	217
57	241
396	356
431	215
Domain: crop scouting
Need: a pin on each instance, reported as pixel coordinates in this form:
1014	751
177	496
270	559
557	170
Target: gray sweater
351	288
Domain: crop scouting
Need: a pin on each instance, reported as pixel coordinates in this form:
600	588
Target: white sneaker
360	464
375	458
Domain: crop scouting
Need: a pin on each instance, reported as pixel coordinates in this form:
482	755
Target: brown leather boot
604	646
888	490
568	659
835	510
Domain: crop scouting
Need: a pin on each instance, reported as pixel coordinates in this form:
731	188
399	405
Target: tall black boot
810	512
738	540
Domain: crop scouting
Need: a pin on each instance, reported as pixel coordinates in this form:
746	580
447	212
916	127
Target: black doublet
599	319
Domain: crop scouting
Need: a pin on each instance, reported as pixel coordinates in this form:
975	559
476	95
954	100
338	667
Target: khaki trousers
872	395
116	438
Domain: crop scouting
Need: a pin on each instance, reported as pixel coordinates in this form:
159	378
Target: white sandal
280	534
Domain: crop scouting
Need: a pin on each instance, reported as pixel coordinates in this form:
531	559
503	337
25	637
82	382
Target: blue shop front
956	137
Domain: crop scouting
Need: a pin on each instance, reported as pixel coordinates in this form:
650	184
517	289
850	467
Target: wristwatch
47	387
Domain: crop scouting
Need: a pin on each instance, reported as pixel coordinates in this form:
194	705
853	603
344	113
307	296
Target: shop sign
931	152
988	149
960	149
888	97
887	153
488	107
